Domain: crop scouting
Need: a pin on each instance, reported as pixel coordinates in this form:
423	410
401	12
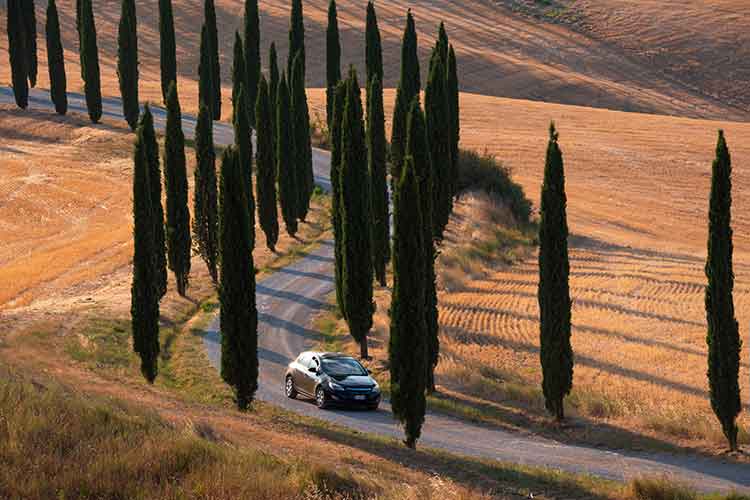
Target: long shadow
272	357
273	321
306	274
290	296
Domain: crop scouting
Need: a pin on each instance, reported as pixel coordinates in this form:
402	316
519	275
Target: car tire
320	398
289	389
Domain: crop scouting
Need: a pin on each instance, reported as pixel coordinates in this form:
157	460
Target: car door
299	373
311	377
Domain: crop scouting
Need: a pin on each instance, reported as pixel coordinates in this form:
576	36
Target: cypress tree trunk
302	145
176	185
373	49
265	160
376	159
17	53
144	298
556	352
90	62
167	47
286	172
29	20
723	337
244	146
355	219
453	105
127	62
406	348
296	38
213	46
56	61
239	316
252	54
273	82
205	211
335	138
333	60
205	80
408	87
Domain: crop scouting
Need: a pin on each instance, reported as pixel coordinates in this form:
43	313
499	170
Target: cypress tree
152	156
296	38
302	145
356	278
406	348
252	54
127	63
144	297
376	161
335	133
556	352
333	60
205	203
239	73
90	62
239	315
205	80
439	139
17	53
167	47
373	48
286	173
408	87
265	160
29	20
273	80
213	47
244	146
56	61
442	44
176	185
723	337
452	90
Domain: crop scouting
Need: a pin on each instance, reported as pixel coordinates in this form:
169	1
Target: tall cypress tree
17	53
273	80
373	51
239	315
252	54
29	20
333	59
723	337
377	166
286	172
175	182
265	160
167	47
90	62
127	62
205	203
152	156
442	44
355	219
406	348
408	87
205	80
335	138
144	297
296	38
556	352
244	146
56	60
452	90
213	47
302	145
239	73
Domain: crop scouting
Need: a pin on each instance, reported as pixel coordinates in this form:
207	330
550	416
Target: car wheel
320	398
289	389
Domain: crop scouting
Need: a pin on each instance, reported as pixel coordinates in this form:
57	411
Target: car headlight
376	387
335	386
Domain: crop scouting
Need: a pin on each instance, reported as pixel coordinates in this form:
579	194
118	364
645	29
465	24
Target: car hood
353	380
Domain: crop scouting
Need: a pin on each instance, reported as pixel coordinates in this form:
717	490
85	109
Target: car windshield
340	367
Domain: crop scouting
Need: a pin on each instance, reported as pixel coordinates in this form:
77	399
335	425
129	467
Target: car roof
324	354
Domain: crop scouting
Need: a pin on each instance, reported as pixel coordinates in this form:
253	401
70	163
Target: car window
342	367
304	360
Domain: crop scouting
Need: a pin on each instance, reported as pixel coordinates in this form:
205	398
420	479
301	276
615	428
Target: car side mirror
369	372
313	369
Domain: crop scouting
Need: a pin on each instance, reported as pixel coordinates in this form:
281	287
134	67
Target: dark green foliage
144	297
373	47
439	129
273	80
723	336
442	44
265	161
286	172
356	278
29	21
377	165
17	52
176	185
252	55
167	47
296	38
205	203
152	157
205	80
556	352
302	144
244	146
333	59
209	13
239	74
90	62
127	62
408	87
407	347
56	61
335	133
452	91
239	316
